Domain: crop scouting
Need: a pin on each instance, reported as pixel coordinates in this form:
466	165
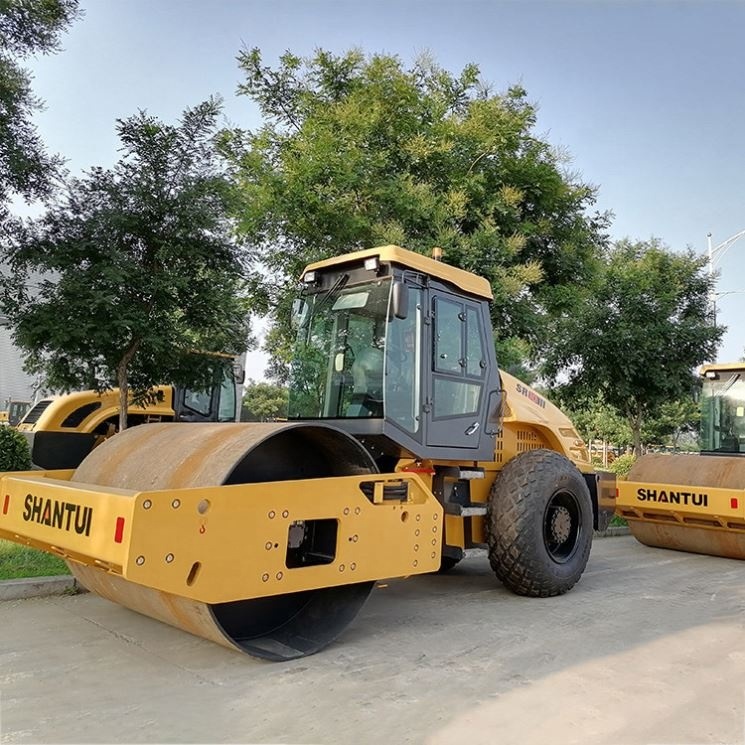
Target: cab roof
466	281
721	367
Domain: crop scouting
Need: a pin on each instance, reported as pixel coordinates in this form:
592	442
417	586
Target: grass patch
20	562
617	522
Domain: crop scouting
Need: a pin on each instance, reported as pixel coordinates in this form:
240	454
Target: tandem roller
261	537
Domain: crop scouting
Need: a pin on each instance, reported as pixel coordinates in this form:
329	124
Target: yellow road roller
62	430
404	451
696	502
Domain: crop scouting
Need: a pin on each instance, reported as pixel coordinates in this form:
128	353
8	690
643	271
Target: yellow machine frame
188	542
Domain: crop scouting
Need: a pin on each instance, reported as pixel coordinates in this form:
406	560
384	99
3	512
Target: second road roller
405	450
696	502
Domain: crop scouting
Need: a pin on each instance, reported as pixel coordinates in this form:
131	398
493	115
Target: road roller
696	502
62	430
405	449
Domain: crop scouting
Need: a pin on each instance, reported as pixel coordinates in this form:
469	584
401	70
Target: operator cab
723	409
396	349
216	404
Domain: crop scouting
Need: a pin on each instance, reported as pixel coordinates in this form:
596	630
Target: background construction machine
13	412
62	430
696	502
404	450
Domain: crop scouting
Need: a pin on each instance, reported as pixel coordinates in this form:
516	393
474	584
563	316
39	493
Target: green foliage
264	402
672	420
15	454
140	266
622	465
636	340
359	151
27	27
595	420
19	562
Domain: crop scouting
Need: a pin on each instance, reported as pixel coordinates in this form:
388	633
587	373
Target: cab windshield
339	357
723	414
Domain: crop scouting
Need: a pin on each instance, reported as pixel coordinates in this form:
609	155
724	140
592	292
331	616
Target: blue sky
647	98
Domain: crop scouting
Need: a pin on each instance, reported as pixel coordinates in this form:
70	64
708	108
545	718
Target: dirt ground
648	648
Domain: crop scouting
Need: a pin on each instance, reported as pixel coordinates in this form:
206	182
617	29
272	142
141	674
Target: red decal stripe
6	503
119	532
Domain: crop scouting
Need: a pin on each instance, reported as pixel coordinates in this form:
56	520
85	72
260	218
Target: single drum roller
687	502
406	450
177	456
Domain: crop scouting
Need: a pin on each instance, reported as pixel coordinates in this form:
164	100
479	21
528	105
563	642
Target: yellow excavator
404	451
696	502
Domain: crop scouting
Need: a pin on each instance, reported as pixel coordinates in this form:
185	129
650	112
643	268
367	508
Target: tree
673	420
595	419
643	330
358	151
145	271
263	402
26	27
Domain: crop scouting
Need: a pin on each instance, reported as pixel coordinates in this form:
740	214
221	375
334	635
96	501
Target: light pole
715	254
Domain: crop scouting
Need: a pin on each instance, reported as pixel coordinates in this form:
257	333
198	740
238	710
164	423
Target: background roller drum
163	456
700	533
539	524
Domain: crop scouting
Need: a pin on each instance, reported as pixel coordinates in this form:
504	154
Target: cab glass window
449	336
475	361
403	365
459	362
198	401
455	397
226	410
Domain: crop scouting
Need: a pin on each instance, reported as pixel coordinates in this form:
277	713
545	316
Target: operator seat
367	383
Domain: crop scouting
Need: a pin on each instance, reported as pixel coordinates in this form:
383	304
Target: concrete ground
648	648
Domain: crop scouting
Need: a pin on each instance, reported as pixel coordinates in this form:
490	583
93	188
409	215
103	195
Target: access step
465	510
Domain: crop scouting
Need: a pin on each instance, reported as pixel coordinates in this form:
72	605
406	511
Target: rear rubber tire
538	498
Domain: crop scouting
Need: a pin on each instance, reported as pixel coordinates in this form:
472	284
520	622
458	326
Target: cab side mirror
400	300
239	374
300	310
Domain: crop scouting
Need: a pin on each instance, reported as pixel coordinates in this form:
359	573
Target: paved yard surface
648	648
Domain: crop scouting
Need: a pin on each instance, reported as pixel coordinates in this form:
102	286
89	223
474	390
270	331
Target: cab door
455	406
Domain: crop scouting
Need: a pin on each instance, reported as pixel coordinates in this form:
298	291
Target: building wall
14	382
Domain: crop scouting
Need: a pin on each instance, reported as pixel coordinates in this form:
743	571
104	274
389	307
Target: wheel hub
561	524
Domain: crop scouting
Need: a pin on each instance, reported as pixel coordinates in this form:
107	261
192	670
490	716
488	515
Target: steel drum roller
698	472
168	456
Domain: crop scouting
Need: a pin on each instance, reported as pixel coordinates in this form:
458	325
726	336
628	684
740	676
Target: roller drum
168	456
698	472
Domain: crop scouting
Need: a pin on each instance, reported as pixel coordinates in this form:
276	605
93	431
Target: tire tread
513	555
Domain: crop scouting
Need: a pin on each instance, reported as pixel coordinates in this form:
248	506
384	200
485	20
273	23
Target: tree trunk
636	431
122	379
